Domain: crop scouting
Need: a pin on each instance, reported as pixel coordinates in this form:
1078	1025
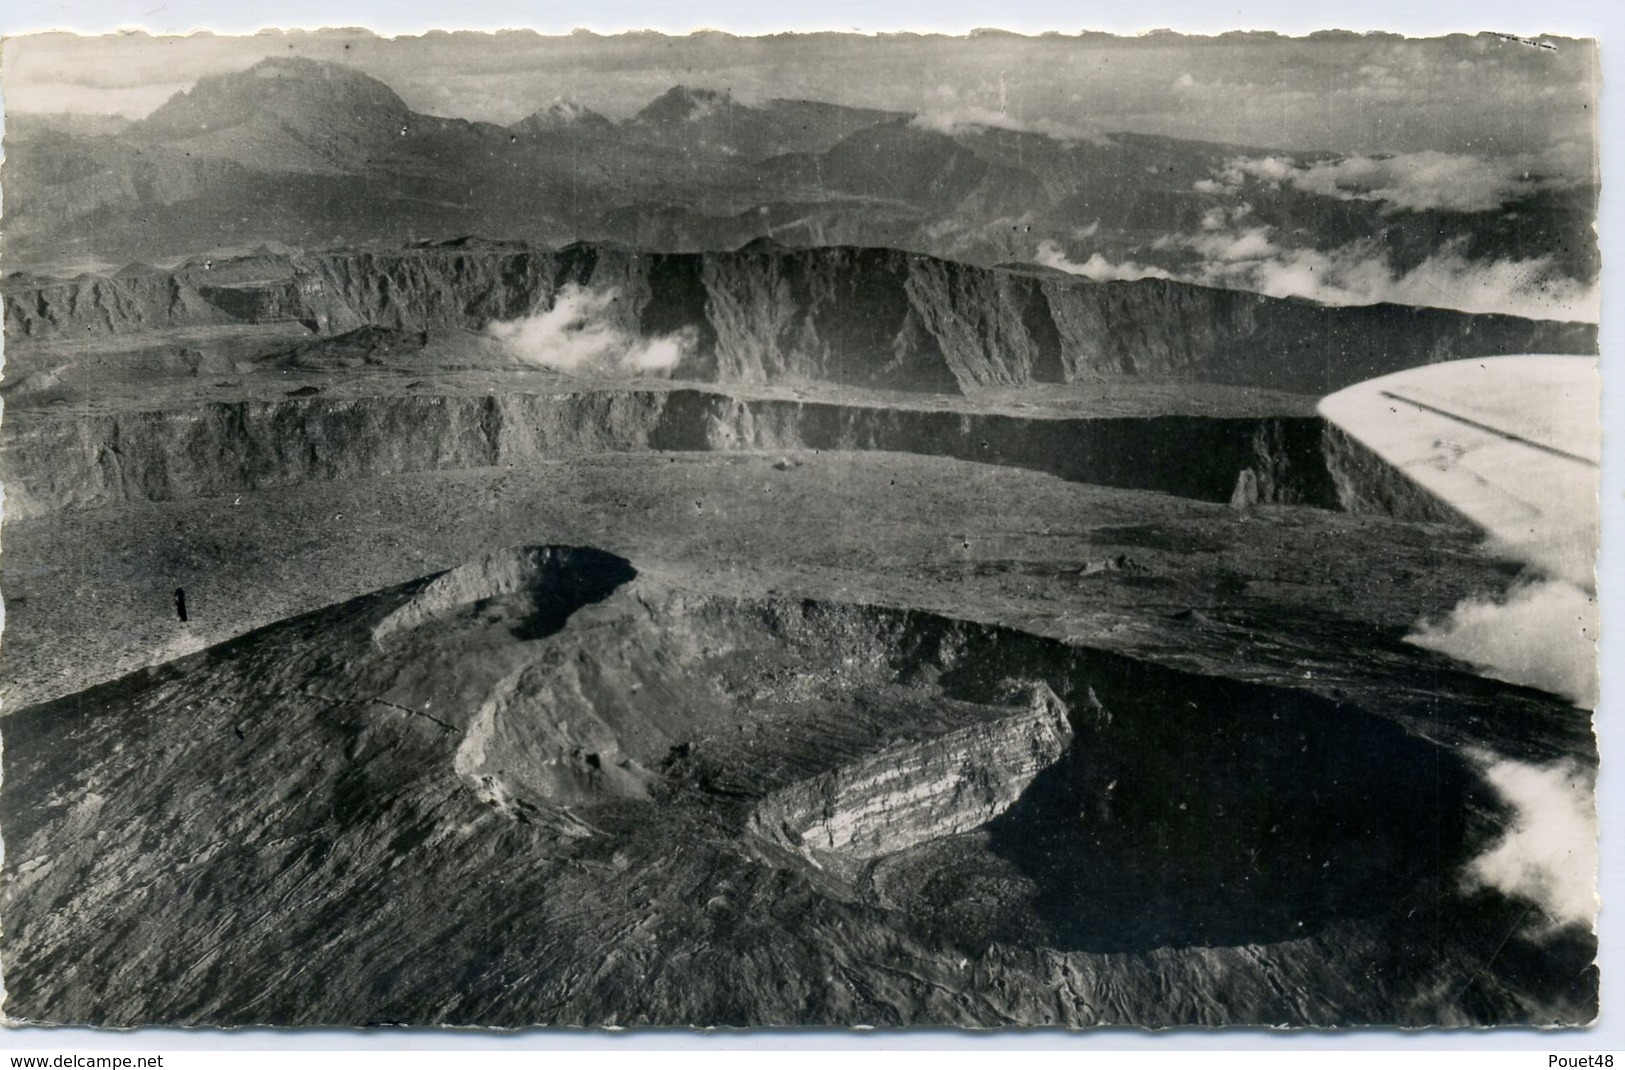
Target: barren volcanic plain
852	636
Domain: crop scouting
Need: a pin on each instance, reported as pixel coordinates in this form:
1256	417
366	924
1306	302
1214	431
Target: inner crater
1010	787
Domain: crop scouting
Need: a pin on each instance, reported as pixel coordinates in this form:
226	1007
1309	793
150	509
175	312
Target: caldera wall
765	313
56	461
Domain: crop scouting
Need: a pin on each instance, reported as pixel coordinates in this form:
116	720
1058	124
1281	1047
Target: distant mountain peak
563	115
683	103
339	77
293	90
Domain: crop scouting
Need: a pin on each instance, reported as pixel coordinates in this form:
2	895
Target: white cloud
1415	181
970	118
1543	635
1230	246
1548	855
577	335
1097	267
1272	170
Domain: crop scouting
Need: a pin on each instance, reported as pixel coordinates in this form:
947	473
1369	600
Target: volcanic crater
972	789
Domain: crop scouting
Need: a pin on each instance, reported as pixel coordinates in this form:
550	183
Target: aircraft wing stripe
1489	429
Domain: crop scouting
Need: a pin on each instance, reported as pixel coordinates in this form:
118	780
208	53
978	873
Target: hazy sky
1484	95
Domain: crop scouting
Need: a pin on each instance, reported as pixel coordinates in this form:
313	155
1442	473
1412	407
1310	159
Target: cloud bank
1097	267
577	335
1359	274
1416	181
1543	635
1252	258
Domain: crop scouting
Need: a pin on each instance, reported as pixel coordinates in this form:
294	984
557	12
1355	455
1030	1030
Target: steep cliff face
56	461
433	288
870	317
1194	457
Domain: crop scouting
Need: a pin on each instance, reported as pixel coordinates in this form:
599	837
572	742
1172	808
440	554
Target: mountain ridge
318	154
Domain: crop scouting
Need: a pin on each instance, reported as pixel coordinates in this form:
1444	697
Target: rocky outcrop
910	793
55	461
866	317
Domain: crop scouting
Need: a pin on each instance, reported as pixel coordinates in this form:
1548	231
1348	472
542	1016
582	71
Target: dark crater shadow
1239	814
565	584
531	591
1190	810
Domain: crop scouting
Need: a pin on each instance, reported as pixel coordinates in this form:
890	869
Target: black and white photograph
818	530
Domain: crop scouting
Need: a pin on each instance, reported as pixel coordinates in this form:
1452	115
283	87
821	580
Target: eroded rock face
96	305
766	313
907	794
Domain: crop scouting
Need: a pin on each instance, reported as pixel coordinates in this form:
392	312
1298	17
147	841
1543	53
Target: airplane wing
1514	444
